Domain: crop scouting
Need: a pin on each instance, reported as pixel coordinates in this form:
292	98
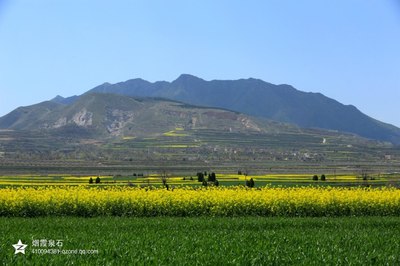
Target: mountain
111	128
258	98
101	112
98	115
68	100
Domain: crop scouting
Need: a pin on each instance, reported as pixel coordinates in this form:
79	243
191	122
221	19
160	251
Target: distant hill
109	127
258	98
97	115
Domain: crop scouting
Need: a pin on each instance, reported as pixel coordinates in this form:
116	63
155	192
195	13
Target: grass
207	241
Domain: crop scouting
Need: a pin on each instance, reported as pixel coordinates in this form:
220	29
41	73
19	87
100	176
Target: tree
91	180
212	177
364	175
164	178
323	178
315	178
216	183
250	183
98	180
200	177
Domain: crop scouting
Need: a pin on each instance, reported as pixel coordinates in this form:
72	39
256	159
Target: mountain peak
187	78
58	99
136	80
62	100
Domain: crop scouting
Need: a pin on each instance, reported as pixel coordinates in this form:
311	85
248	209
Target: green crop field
203	241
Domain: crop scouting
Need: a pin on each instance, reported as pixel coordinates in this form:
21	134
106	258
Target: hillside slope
258	98
107	115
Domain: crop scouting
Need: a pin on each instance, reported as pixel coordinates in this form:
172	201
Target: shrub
323	178
315	178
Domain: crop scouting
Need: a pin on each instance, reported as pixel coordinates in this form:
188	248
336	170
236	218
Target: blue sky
345	49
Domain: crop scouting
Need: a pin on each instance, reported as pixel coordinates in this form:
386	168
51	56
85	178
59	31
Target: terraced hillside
111	133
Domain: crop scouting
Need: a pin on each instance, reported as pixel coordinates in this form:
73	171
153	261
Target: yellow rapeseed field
187	201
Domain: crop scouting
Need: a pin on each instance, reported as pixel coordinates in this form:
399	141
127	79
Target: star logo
19	247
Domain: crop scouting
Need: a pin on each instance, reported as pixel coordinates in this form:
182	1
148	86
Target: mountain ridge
251	96
255	97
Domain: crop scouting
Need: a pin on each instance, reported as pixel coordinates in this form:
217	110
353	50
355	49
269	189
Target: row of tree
322	178
203	177
210	180
97	181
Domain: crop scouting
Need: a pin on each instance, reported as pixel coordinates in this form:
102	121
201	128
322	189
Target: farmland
187	201
131	217
225	179
184	152
206	241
